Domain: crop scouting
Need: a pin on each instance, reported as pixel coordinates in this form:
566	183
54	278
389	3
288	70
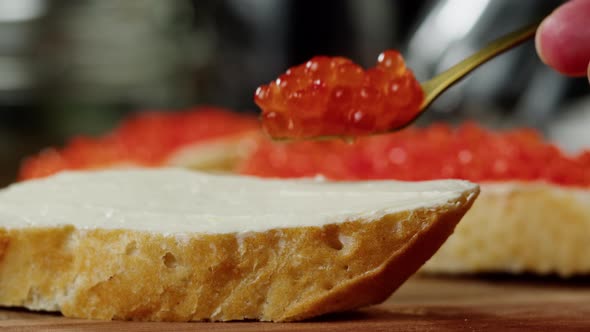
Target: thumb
563	38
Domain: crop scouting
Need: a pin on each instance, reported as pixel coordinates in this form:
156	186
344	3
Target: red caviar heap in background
145	139
435	152
334	96
468	152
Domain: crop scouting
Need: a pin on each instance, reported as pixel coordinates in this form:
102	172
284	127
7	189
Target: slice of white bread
178	245
518	227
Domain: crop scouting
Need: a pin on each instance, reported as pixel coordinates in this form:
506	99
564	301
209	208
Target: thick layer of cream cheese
180	201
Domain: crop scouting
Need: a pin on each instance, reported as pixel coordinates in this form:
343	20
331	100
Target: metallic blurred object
102	58
22	10
118	51
18	38
513	90
439	30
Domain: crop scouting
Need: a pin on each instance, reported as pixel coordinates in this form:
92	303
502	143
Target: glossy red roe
146	139
329	96
467	152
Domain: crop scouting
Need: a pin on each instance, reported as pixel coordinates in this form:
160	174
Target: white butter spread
175	201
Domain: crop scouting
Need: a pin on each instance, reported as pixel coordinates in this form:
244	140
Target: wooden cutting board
422	304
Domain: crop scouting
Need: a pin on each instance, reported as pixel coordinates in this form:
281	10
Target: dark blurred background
78	67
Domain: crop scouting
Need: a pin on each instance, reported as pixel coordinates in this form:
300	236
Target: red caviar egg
330	96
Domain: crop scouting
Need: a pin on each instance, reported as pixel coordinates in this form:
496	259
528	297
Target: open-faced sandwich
180	245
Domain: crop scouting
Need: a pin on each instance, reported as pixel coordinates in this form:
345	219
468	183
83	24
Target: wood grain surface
422	304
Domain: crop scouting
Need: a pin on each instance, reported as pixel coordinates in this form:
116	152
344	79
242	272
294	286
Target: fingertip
563	40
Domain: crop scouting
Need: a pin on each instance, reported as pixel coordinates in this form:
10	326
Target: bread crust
520	227
276	275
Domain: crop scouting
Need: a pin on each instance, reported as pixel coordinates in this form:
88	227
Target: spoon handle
441	82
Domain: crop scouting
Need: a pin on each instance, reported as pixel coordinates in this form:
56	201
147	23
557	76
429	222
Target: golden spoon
441	82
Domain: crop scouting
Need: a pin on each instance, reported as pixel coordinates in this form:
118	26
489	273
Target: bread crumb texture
276	275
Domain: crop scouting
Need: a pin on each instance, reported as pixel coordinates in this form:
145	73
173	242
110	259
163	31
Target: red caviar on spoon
333	96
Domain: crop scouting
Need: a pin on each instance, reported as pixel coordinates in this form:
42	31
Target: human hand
563	39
